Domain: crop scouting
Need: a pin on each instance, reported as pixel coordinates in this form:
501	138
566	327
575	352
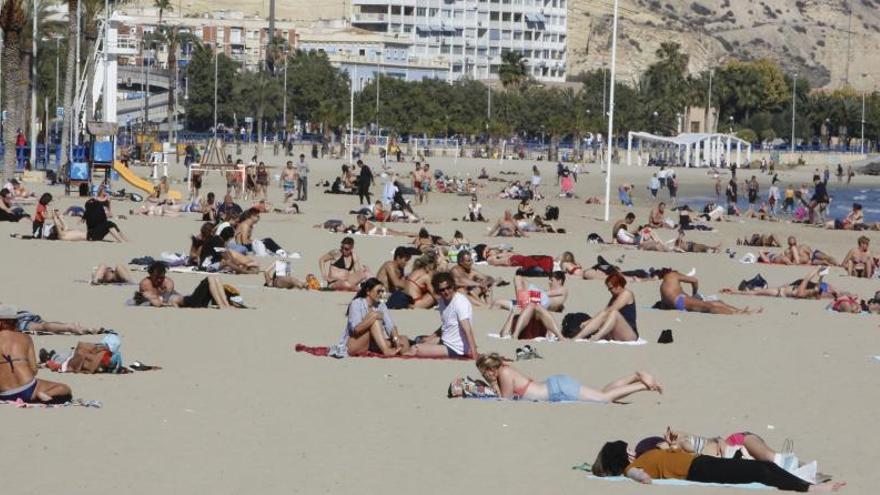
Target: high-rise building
473	34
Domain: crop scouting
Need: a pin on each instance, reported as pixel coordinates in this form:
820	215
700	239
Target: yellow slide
136	181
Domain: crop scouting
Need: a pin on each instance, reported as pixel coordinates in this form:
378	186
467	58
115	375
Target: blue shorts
25	319
562	388
25	392
679	302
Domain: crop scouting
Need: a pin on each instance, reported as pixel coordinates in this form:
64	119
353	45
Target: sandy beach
236	410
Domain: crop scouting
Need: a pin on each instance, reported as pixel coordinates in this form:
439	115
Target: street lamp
730	119
611	112
793	107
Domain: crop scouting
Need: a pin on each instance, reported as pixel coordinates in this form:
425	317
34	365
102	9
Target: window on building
494	34
407	28
421	11
433	12
494	51
444	49
493	16
506	34
458	14
457	50
505	16
362	52
395	9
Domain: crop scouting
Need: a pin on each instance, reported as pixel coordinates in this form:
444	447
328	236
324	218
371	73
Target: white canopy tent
692	149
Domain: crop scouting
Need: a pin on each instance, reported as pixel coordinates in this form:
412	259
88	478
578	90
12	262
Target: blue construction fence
52	161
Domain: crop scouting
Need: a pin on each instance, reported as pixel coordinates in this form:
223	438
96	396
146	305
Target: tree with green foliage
200	74
513	70
316	91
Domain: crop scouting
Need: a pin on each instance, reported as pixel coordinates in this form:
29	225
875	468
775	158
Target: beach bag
571	323
332	224
468	388
551	213
259	247
595	238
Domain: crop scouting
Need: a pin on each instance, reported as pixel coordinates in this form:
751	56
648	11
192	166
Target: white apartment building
472	34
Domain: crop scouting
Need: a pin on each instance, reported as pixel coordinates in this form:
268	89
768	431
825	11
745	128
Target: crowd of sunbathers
428	271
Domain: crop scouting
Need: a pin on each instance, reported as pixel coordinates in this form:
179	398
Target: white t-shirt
458	309
536	180
388	193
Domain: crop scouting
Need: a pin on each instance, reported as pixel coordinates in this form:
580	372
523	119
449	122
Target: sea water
842	199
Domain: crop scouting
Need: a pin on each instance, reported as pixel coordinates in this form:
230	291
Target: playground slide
138	182
132	178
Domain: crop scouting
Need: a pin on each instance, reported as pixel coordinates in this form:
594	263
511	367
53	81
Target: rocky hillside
806	36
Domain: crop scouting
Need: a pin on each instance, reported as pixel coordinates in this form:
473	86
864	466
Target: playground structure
214	158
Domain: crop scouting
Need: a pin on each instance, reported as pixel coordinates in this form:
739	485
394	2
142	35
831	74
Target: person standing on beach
661	176
731	192
753	190
364	181
417	183
654	186
302	181
849	174
788	202
773	198
426	180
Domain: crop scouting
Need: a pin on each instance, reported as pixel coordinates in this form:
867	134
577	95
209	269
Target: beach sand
236	410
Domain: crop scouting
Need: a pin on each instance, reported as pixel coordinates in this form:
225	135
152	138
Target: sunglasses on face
444	288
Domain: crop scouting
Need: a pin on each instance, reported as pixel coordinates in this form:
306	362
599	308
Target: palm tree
513	70
13	18
69	74
163	6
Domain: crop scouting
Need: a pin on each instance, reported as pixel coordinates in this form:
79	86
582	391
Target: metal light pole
611	113
604	92
74	118
34	88
216	57
793	108
351	120
378	77
862	144
709	128
284	105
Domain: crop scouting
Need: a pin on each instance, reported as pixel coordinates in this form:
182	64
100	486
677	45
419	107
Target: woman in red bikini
418	282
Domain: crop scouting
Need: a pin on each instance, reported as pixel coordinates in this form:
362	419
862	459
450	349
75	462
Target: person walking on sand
302	182
365	180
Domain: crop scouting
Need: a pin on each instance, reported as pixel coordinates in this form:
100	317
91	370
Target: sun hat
8	312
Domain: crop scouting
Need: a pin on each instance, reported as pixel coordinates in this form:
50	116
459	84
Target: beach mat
95	404
641	341
324	351
674	482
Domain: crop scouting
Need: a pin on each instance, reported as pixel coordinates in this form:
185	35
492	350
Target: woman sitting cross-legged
509	383
370	327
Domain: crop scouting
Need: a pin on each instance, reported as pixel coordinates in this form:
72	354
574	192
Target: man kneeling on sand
18	366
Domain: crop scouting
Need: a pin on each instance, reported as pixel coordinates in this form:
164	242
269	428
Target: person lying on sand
158	291
534	304
617	321
614	459
602	269
279	276
369	326
104	274
510	383
506	227
341	268
33	323
672	296
18	366
685	246
809	287
760	240
859	262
